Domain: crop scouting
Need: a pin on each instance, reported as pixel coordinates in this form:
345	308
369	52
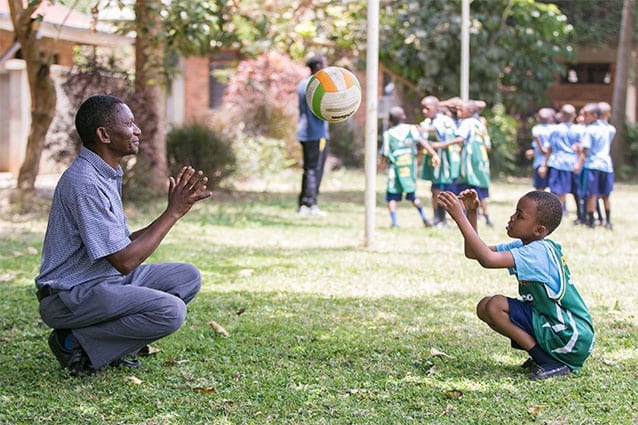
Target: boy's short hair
397	115
549	210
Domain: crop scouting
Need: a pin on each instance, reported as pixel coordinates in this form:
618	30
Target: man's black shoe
75	359
538	372
130	363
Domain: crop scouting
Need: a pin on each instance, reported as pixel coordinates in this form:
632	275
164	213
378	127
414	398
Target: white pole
372	76
465	49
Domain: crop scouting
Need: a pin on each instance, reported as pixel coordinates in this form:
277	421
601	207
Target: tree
164	32
42	93
515	53
150	88
619	148
615	25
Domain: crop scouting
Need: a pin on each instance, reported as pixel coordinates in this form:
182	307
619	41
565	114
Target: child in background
399	150
475	162
595	161
550	321
440	129
561	157
540	136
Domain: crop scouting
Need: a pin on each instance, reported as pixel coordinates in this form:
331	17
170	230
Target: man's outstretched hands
184	190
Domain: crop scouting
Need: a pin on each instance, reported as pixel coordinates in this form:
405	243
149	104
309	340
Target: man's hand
184	190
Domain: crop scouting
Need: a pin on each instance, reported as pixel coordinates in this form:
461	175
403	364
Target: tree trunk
151	168
619	147
42	94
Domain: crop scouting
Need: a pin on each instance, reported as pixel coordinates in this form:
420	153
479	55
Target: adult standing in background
312	133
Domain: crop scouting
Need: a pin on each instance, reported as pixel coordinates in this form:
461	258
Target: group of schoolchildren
571	155
455	145
550	320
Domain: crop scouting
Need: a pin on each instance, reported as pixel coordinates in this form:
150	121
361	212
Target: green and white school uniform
399	147
450	157
562	324
475	163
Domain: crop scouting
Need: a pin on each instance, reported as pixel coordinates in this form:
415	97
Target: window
587	73
220	62
217	88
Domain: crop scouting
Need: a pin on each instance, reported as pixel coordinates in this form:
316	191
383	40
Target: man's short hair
315	63
549	210
96	111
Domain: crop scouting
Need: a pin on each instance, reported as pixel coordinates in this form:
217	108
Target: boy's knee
481	307
490	307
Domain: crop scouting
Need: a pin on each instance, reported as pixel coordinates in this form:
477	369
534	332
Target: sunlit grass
324	330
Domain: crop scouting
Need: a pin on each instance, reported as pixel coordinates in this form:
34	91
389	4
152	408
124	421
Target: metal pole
372	77
465	49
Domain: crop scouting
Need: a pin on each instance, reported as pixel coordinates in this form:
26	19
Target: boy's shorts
482	192
561	182
521	316
410	196
448	187
599	182
540	182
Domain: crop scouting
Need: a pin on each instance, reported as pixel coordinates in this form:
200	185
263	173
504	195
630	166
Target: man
312	133
94	291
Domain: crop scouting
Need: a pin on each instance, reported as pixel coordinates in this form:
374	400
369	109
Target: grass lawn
323	330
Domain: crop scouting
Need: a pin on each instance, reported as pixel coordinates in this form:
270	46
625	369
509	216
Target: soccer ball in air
333	94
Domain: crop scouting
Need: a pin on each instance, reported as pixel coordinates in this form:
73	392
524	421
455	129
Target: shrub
204	149
262	98
628	170
347	143
257	156
504	154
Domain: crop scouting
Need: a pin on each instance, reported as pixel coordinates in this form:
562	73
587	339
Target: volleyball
333	94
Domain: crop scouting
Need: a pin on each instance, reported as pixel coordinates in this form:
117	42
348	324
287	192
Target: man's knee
171	314
191	282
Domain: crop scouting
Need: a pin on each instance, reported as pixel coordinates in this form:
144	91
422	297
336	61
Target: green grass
326	331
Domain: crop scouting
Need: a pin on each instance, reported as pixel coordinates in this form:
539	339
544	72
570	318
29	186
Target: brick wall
196	89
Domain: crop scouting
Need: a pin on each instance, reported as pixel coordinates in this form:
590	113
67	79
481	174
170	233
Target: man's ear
102	135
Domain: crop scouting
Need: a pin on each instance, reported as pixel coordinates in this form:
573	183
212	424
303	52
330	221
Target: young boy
475	163
550	321
440	129
399	150
538	152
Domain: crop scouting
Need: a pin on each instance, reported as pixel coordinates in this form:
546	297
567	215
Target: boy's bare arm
475	248
428	147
